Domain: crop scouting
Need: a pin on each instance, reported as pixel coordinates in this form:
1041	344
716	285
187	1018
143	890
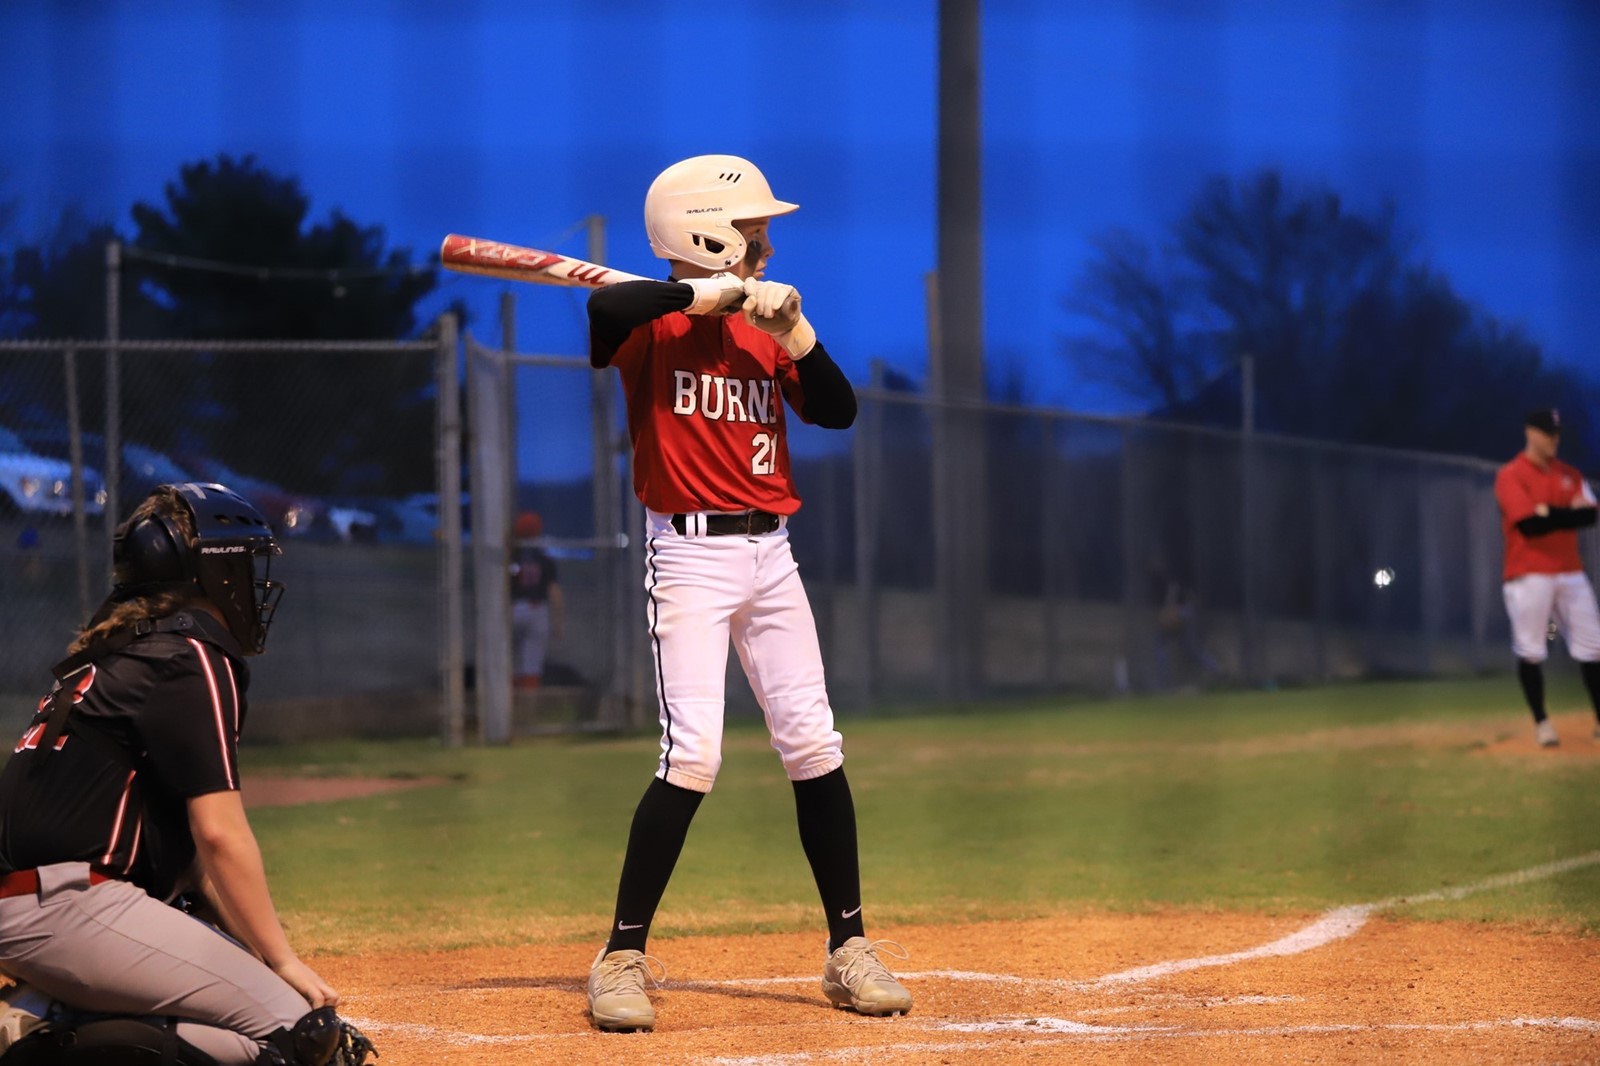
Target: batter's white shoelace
860	963
629	975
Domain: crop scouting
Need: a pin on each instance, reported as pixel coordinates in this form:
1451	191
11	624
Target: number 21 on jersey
766	448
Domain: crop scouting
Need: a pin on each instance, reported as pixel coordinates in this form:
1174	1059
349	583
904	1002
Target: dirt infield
1350	985
1066	989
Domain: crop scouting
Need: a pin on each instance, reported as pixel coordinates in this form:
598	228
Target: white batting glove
774	308
714	295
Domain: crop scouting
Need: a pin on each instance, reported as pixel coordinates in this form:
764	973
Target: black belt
732	525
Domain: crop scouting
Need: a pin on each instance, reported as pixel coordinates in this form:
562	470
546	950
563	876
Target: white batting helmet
691	207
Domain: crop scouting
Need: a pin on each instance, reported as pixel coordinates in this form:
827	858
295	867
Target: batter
708	360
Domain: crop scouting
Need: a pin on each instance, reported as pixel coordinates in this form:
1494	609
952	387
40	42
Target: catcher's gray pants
114	948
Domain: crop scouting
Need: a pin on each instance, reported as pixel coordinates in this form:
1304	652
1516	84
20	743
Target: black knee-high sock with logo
660	826
1532	677
1591	681
827	817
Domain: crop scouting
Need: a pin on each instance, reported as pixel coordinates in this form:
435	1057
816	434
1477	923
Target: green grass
1271	802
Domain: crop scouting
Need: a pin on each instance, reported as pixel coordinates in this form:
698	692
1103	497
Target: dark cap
1545	418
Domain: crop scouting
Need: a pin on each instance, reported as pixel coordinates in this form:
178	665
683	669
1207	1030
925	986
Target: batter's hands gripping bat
472	255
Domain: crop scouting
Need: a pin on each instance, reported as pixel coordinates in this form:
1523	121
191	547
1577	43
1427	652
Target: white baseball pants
1533	599
704	590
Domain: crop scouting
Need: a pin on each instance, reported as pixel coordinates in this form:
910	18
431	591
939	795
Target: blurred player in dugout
537	609
1543	503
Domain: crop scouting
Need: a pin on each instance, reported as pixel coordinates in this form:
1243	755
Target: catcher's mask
150	555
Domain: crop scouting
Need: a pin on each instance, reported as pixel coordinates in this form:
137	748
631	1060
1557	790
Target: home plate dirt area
1349	985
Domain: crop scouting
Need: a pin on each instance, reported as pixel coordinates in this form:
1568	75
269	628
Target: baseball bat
495	259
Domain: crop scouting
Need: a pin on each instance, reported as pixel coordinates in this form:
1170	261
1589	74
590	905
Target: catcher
123	794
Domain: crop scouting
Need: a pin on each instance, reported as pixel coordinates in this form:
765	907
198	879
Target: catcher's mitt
354	1047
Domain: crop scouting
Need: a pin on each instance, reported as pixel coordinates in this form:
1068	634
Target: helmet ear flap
150	552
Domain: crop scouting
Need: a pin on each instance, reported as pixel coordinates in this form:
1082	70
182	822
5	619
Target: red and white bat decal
496	259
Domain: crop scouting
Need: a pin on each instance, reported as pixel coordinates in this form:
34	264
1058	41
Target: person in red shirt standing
1543	503
708	358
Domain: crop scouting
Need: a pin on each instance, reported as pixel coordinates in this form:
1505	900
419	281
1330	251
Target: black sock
1532	677
660	826
1591	681
827	819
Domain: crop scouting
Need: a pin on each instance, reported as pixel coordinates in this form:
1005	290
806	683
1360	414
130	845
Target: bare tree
1352	340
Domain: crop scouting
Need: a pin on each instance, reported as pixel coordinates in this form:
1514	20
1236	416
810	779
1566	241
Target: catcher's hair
166	502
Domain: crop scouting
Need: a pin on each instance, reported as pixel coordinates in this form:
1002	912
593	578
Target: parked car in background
142	467
31	483
351	522
291	514
414	519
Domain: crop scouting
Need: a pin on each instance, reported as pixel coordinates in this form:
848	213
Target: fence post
867	456
1050	549
1426	496
113	385
1481	574
508	398
1248	666
606	509
452	666
1322	555
80	519
1127	671
491	520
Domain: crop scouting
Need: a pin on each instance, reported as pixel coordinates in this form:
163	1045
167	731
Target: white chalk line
1169	1001
381	1027
1076	1028
1046	1029
1064	1031
1336	924
1342	922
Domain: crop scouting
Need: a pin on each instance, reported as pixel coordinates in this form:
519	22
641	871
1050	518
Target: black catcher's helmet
151	555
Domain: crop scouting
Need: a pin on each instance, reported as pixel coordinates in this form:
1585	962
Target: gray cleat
854	978
617	999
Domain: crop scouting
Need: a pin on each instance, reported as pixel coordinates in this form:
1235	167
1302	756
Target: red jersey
1519	487
705	411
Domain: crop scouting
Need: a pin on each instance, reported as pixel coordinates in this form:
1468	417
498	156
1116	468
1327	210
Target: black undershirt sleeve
1558	518
830	401
617	310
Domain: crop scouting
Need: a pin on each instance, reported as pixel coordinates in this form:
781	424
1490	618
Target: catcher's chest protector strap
61	702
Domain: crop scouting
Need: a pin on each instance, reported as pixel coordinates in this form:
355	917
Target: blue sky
514	120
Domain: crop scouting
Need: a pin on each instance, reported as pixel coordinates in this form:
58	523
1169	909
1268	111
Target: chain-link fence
1086	554
1119	554
1093	555
337	443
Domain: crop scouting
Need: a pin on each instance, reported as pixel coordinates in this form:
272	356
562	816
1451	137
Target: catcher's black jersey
152	725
